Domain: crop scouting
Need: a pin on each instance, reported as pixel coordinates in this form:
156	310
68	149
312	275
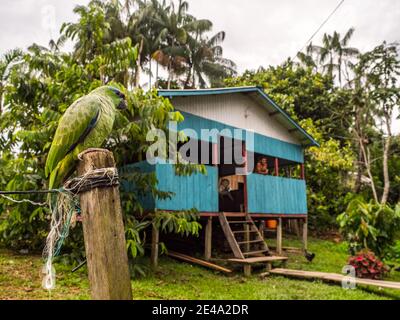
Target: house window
268	165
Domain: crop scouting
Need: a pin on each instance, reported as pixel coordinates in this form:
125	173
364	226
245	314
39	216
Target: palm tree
307	58
166	33
327	52
173	24
144	28
91	30
8	60
205	60
333	52
343	51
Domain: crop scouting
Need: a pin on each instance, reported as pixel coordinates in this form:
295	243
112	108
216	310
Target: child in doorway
224	188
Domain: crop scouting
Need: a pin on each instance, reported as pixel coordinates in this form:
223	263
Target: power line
29	191
320	27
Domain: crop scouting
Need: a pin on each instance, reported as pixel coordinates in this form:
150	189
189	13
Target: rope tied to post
96	178
65	210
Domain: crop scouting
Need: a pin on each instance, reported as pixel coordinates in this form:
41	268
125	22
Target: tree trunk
386	149
357	187
150	73
340	70
169	73
367	163
189	75
360	154
138	62
1	99
156	82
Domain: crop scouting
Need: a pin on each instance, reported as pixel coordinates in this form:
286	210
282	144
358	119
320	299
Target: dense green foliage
167	35
36	92
345	99
369	225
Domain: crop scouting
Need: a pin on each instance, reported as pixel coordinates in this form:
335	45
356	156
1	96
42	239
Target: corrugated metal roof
257	94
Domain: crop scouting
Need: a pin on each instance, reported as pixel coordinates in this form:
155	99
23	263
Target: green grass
20	278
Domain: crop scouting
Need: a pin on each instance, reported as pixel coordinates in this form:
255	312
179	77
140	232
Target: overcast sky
259	32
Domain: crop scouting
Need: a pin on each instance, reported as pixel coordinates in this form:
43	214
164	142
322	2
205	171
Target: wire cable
319	28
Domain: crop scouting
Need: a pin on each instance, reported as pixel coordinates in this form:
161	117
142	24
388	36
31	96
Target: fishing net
65	208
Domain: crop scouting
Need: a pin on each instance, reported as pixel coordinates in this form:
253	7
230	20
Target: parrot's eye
118	93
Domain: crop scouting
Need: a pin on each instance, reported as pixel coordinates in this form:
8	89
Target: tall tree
206	63
334	52
172	22
377	95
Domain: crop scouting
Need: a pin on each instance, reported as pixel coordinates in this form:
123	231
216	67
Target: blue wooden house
272	145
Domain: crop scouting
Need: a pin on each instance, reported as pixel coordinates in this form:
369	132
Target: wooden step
242	231
251	241
258	259
249	228
203	263
230	236
254	252
239	222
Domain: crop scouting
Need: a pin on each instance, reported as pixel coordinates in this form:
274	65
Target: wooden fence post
208	240
104	233
279	237
305	234
155	238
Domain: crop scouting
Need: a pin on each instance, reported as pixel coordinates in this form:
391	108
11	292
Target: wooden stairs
246	242
243	236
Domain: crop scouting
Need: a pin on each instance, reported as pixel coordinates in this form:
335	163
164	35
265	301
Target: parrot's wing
74	126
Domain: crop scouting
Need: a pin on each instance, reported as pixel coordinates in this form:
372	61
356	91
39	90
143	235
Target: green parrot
85	124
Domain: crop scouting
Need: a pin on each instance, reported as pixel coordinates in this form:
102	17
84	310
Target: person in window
225	189
262	166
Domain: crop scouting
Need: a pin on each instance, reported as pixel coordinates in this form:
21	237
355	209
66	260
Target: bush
367	265
370	225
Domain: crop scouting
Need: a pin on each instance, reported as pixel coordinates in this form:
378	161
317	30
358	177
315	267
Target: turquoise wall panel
262	144
270	194
196	191
147	201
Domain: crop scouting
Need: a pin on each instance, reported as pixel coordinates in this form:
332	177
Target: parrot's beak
122	105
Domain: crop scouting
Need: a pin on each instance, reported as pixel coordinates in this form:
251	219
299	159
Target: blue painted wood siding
266	194
196	191
147	200
270	194
262	144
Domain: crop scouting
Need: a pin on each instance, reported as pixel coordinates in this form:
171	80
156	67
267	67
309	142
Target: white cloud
259	32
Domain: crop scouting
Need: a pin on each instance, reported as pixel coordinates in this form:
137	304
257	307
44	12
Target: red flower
367	265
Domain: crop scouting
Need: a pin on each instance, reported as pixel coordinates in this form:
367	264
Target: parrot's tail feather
52	180
64	169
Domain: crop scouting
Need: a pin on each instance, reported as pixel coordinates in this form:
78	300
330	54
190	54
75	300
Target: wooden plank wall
196	191
262	144
270	194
